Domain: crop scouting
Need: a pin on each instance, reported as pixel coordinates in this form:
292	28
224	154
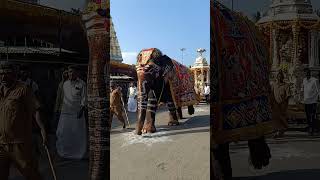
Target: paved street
182	153
294	157
65	169
172	153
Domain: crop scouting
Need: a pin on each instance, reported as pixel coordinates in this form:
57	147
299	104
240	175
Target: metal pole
182	49
232	5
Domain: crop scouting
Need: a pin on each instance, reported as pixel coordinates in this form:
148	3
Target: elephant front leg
180	112
172	114
149	126
141	115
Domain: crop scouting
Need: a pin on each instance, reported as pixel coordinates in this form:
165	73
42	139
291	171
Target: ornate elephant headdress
147	55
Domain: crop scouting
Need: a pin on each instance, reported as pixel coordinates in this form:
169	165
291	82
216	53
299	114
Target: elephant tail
259	152
191	110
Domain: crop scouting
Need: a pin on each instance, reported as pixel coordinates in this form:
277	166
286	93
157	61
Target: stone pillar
202	76
295	32
311	47
275	60
208	75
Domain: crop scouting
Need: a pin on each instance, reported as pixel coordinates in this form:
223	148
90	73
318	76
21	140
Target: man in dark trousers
310	88
17	106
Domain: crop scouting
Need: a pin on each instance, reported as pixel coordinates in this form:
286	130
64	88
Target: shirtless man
116	106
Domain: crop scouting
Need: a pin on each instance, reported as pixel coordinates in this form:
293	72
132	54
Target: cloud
129	57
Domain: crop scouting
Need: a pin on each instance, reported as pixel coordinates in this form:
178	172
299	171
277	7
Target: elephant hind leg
173	115
190	110
223	161
259	152
180	112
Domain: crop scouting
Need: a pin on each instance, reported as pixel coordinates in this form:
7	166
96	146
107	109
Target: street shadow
287	139
193	122
183	128
179	132
113	132
307	174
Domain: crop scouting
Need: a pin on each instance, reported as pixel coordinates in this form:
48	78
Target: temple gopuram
120	73
292	31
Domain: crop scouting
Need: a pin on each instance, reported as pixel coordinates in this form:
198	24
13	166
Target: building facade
292	31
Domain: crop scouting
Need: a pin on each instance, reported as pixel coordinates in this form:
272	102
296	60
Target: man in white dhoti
71	131
132	101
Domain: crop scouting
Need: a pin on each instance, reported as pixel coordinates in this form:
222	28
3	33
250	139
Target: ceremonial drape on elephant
240	86
182	86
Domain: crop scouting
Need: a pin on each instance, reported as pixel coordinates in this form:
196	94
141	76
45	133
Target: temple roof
115	51
288	10
201	61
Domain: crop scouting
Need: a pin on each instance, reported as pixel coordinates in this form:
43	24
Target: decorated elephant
240	90
162	79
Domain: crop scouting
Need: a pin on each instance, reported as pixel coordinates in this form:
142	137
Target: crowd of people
22	130
281	93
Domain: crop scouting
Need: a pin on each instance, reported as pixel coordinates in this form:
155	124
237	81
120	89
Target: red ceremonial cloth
240	86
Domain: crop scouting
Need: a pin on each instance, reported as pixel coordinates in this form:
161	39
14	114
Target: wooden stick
125	111
50	162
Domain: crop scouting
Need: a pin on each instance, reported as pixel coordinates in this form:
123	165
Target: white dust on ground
130	138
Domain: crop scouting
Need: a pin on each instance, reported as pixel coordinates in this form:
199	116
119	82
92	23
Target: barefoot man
116	105
280	99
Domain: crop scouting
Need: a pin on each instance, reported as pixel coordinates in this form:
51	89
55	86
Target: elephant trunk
142	103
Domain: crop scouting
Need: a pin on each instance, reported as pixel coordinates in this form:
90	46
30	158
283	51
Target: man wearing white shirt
310	90
207	92
72	131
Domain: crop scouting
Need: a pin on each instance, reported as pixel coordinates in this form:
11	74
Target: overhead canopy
20	19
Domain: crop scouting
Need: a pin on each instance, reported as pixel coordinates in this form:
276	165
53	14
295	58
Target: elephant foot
139	128
149	128
173	123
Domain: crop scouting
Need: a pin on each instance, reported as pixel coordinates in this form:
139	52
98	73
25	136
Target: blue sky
167	24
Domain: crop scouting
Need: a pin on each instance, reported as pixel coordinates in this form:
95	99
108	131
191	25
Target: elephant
158	81
240	90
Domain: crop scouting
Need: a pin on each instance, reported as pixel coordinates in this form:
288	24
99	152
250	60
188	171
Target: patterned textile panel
239	79
182	86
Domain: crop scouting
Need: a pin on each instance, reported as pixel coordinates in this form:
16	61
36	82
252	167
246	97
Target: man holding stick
116	105
17	106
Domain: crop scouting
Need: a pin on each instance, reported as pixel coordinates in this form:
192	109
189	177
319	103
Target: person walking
116	107
280	99
207	92
310	90
18	105
132	100
25	78
60	95
71	130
